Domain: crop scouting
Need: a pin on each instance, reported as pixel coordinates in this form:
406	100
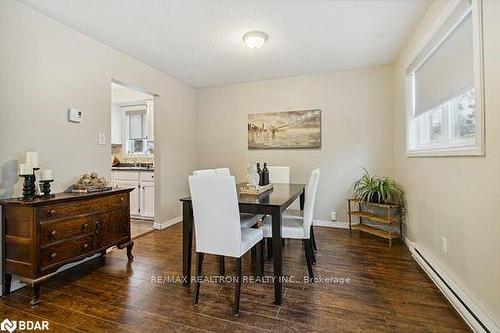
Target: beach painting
285	130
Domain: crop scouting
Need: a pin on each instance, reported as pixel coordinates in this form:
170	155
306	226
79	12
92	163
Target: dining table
272	202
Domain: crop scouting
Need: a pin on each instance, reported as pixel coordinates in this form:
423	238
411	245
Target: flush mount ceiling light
255	39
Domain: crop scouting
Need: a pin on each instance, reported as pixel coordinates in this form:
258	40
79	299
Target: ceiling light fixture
255	39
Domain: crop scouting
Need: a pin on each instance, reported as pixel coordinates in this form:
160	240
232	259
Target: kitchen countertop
131	169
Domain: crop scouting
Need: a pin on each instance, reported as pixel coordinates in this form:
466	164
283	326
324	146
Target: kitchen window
444	88
136	121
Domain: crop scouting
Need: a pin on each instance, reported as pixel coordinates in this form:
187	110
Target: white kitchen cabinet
142	198
134	195
147	199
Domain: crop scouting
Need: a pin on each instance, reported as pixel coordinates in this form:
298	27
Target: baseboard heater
473	316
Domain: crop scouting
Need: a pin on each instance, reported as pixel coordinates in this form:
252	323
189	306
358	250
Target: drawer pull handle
121	199
85	226
85	246
52	212
53	233
53	255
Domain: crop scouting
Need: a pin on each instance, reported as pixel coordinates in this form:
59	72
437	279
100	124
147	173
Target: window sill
446	151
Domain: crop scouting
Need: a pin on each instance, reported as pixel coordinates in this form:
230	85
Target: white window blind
448	71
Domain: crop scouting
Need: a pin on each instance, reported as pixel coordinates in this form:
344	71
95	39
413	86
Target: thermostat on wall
75	115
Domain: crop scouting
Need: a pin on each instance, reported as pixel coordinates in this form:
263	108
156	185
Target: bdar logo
8	325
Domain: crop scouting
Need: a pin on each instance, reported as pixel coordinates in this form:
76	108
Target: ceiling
200	41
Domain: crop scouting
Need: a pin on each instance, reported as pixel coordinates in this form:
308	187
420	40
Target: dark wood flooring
387	292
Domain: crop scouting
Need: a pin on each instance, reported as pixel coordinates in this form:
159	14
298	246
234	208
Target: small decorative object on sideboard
91	183
46	178
26	171
381	202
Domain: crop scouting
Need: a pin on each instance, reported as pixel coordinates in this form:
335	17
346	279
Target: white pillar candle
25	169
46	175
32	158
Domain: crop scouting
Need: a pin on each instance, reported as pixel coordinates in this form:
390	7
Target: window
136	129
444	114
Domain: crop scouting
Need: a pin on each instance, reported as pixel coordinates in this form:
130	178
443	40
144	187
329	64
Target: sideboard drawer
64	210
51	232
58	253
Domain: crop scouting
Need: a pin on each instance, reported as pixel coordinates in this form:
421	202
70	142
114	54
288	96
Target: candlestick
46	187
28	187
46	175
25	169
32	158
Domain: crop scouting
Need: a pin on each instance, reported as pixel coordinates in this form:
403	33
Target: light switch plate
102	139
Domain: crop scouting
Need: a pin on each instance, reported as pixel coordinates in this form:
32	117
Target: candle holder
28	187
36	186
46	188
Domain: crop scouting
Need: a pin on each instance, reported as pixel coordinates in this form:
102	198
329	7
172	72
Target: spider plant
379	190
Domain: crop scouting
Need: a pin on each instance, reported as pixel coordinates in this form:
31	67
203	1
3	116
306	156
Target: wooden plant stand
387	215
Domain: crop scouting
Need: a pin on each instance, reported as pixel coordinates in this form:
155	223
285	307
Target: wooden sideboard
41	235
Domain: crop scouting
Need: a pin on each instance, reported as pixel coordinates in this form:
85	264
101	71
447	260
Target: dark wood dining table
273	203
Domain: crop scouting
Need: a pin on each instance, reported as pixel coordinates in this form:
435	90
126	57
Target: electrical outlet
444	245
333	216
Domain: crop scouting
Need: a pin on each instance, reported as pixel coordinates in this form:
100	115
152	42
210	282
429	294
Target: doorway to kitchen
132	152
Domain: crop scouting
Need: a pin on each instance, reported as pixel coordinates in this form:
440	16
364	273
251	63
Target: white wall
47	67
457	197
356	128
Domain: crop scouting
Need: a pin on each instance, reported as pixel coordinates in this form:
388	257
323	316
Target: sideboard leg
36	294
129	245
130	256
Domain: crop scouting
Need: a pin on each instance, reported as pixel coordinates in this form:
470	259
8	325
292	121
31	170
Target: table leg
278	272
302	199
187	241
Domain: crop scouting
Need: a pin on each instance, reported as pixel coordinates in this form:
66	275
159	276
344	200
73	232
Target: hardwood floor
139	227
387	292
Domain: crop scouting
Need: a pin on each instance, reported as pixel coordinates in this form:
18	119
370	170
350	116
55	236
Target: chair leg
259	265
199	264
222	267
313	239
308	250
237	287
269	248
313	255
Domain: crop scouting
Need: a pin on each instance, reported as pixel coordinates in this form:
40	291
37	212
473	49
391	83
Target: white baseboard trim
166	224
476	318
331	224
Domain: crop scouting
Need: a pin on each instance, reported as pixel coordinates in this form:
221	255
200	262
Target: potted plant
379	190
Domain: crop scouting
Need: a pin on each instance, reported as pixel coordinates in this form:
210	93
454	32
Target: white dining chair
204	172
223	171
217	226
279	174
247	220
299	227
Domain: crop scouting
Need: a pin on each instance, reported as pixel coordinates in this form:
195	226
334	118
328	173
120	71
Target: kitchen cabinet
147	199
142	198
134	195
